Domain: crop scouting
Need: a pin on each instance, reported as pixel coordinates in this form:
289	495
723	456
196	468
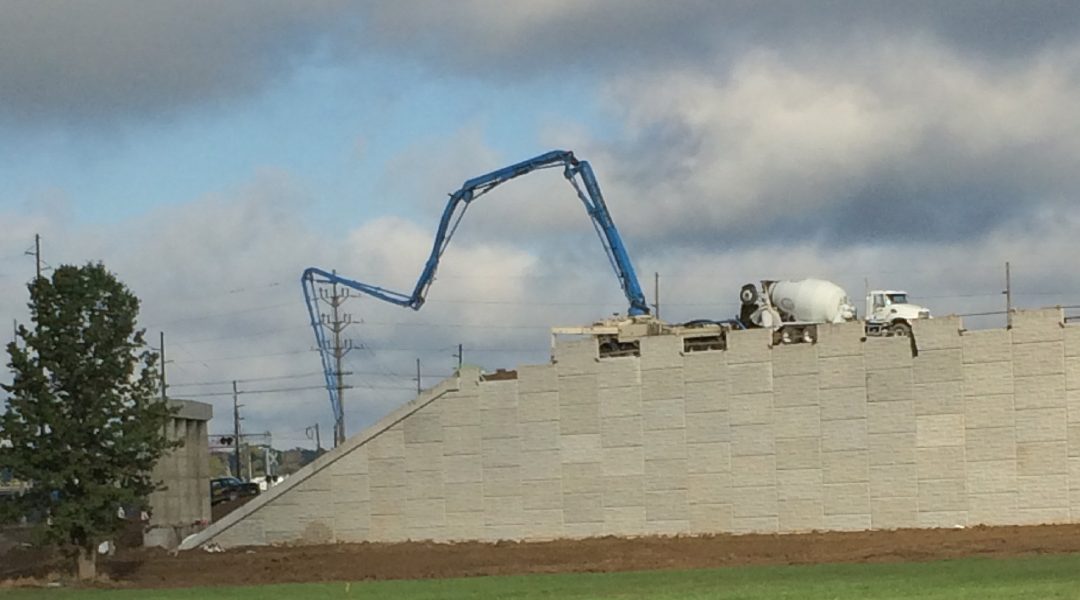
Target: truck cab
888	312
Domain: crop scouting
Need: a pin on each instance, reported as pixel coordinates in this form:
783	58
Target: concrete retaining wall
848	433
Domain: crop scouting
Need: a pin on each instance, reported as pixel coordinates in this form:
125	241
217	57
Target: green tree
83	422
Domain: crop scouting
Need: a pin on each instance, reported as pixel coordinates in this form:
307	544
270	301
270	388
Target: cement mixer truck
792	309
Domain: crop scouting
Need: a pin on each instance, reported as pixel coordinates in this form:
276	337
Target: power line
517	302
248	392
222	314
243	336
446	325
248	380
234	291
990	295
393	374
365	347
470	348
281	390
228	358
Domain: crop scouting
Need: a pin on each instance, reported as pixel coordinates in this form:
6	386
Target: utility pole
36	253
1008	297
337	323
236	429
318	442
418	390
656	293
162	366
458	356
270	461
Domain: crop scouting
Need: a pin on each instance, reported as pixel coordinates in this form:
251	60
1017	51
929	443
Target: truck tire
900	329
748	294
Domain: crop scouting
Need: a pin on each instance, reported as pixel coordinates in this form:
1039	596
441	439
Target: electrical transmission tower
338	347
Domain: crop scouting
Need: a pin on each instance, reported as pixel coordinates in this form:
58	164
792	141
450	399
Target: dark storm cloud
941	197
481	38
78	61
71	62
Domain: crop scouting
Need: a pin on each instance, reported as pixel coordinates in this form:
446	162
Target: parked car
231	488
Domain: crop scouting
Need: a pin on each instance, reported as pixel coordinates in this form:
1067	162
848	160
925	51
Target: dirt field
352	562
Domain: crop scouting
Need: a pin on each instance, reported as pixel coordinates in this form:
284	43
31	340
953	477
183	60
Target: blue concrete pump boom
588	191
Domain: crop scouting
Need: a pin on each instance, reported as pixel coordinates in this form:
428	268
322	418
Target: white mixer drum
812	301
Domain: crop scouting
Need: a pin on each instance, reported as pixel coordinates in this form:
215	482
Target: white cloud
778	148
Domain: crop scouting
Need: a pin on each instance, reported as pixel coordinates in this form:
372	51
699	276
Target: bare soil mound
353	562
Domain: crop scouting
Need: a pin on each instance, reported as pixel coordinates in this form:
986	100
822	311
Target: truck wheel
748	294
900	329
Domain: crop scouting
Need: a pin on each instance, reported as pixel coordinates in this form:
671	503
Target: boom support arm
588	191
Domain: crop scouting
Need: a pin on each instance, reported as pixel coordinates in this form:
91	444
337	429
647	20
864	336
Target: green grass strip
1039	577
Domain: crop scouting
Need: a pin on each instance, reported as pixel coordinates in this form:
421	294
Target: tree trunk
87	563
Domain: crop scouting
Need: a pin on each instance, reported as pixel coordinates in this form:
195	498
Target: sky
208	152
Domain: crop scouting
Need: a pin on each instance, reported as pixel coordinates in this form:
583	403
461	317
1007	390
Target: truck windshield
898	298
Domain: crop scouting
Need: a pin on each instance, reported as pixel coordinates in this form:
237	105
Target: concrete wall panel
1046	325
576	357
798	453
750	409
841	372
843	403
537	378
750	346
796	390
705	396
538	406
845	339
705	366
937	334
1071	335
797	422
996	410
939	398
894	513
708	427
618	372
1037	391
887	353
1072	372
750	378
795	359
663	352
933	366
988	345
710	457
888	385
846	466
